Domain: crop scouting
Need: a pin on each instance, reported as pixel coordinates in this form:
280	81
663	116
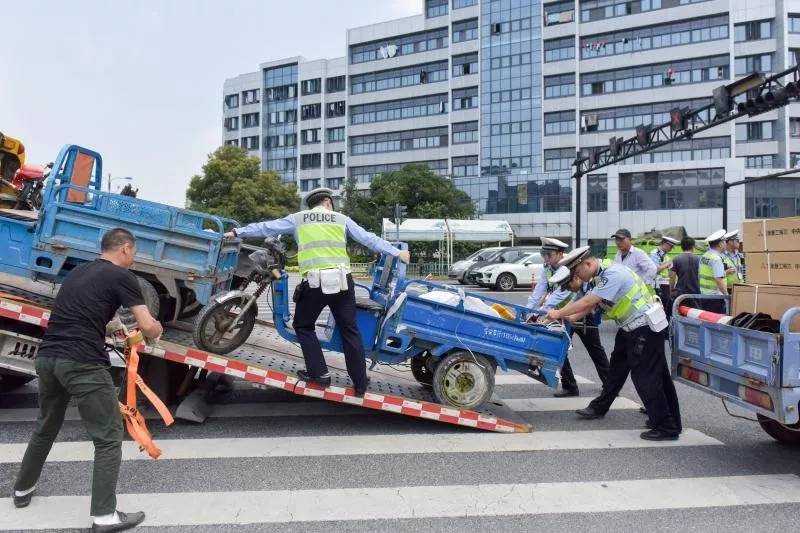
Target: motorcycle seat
362	302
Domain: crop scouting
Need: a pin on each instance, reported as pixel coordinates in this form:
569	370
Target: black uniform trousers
666	299
309	305
641	353
590	337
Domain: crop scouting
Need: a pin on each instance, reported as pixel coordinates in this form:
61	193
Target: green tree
233	185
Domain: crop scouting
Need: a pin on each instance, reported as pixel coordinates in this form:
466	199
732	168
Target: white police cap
574	258
732	235
560	276
553	245
670	240
315	196
716	236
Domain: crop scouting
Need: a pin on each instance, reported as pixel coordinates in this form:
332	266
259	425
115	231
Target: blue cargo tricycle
454	349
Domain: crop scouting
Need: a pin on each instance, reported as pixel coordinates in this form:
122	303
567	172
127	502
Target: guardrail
414	270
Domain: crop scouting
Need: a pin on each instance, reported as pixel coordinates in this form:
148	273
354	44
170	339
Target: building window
460	4
284	92
773	198
466	98
794	23
466	166
465	132
336	135
334	109
282	164
282	117
400	46
661	36
334	159
465	30
334	183
399	141
250	143
280	141
232	142
628	117
335	84
559	13
250	120
654	76
309	185
747	64
365	174
309	136
513	60
516	25
310	111
794	126
755	131
402	77
232	101
671	189
559	86
592	10
794	159
558	159
435	104
510	95
559	123
760	161
250	97
597	185
435	8
231	123
311	86
559	49
309	161
465	64
752	31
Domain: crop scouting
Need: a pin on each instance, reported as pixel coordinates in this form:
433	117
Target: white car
507	276
460	268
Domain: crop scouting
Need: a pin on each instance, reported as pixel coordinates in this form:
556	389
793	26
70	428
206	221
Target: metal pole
397	222
577	210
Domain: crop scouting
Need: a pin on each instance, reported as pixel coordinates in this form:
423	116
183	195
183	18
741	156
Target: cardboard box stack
772	258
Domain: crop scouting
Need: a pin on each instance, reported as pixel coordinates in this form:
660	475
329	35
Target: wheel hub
464	383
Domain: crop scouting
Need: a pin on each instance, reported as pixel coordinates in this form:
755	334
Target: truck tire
506	282
421	371
9	383
783	433
464	380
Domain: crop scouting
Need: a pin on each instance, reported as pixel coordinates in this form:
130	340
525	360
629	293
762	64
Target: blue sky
141	82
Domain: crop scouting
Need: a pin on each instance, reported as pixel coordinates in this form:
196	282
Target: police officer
711	273
639	343
732	259
633	257
321	234
545	297
663	265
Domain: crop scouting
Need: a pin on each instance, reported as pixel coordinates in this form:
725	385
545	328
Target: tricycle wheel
506	282
151	301
211	325
784	433
464	380
420	370
9	382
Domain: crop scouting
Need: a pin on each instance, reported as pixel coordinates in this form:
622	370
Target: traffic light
776	97
594	156
400	213
615	145
677	119
643	135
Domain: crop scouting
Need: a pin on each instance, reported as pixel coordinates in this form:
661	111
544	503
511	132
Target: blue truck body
182	253
755	370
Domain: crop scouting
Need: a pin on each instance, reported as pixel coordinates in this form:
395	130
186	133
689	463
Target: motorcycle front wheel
212	323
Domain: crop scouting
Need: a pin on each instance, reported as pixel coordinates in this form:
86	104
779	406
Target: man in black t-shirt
685	267
72	363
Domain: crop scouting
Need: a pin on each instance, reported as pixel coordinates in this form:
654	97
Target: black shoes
589	413
566	393
659	435
321	380
22	501
361	392
127	521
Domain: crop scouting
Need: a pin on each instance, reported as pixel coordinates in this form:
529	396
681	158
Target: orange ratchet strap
134	421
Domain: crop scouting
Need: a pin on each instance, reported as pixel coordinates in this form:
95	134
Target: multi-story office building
501	94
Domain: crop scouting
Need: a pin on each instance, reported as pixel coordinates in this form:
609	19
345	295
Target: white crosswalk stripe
208	508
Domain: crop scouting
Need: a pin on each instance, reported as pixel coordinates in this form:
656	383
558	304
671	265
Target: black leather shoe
361	392
322	380
589	413
127	521
659	435
22	501
566	393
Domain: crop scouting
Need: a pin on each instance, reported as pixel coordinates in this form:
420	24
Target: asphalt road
274	461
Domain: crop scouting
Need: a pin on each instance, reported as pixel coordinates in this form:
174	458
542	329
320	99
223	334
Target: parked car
460	268
507	276
503	255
